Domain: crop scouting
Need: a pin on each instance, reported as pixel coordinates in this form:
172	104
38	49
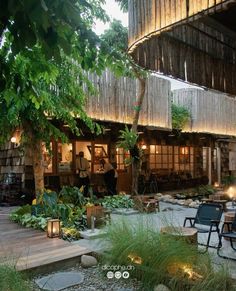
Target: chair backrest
208	212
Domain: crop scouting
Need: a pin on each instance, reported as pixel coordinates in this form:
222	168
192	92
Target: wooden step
50	256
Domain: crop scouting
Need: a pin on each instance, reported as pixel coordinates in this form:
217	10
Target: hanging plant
128	141
180	116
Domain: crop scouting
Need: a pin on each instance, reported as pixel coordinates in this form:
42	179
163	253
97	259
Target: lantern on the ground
53	228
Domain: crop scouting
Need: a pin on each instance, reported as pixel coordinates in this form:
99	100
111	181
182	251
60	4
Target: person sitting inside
82	168
109	176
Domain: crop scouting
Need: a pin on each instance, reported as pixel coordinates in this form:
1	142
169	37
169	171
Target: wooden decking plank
47	258
29	248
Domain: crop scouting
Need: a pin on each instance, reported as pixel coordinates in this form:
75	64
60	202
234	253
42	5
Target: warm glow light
135	259
53	228
231	192
216	184
184	150
144	147
191	274
13	139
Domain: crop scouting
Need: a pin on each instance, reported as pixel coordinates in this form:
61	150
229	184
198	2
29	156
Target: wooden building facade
196	156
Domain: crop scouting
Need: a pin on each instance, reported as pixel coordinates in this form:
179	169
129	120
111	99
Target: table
189	234
221	202
146	203
228	217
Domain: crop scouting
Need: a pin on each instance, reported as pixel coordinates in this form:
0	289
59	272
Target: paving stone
125	211
60	280
93	234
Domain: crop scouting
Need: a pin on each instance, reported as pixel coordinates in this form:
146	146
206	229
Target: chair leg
208	239
232	244
224	257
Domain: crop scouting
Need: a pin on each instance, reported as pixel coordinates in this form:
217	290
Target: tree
123	4
116	39
45	47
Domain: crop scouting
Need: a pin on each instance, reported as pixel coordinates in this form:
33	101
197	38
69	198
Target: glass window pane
158	159
152	166
64	157
152	149
170	149
152	159
164	149
176	150
176	159
47	159
164	159
158	149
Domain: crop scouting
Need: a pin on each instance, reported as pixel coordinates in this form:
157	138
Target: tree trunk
137	163
37	155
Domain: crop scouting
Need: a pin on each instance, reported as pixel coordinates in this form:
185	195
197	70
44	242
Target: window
47	159
64	157
85	147
177	158
100	152
121	157
161	157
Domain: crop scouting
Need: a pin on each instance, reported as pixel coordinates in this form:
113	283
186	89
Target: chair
228	231
206	220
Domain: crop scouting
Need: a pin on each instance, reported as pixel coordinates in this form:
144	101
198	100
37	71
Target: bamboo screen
211	112
115	100
178	38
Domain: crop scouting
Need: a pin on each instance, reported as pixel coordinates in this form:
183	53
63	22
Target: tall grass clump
12	280
158	258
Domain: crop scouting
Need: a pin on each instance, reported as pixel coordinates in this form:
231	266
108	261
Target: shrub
205	190
72	195
11	280
117	201
161	259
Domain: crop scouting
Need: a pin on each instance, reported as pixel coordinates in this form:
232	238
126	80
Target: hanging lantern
53	228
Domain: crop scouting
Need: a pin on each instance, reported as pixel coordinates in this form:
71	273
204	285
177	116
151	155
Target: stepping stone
60	280
125	211
92	234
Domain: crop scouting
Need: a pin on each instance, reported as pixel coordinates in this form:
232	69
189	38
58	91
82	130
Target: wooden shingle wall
176	38
211	112
115	100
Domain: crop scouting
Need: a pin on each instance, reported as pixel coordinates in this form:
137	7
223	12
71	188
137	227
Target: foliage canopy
45	48
180	116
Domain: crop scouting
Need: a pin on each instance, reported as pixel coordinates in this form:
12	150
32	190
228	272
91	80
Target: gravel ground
95	280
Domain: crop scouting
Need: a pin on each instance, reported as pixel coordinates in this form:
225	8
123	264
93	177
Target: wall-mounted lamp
13	139
143	147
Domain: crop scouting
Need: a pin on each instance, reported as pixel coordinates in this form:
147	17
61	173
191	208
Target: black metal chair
206	220
228	230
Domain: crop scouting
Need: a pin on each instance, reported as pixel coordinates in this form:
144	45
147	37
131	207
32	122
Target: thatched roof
192	40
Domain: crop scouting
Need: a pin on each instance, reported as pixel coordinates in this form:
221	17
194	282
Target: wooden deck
28	248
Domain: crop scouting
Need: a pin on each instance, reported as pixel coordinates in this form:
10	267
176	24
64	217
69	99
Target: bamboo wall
211	112
115	100
175	38
148	16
